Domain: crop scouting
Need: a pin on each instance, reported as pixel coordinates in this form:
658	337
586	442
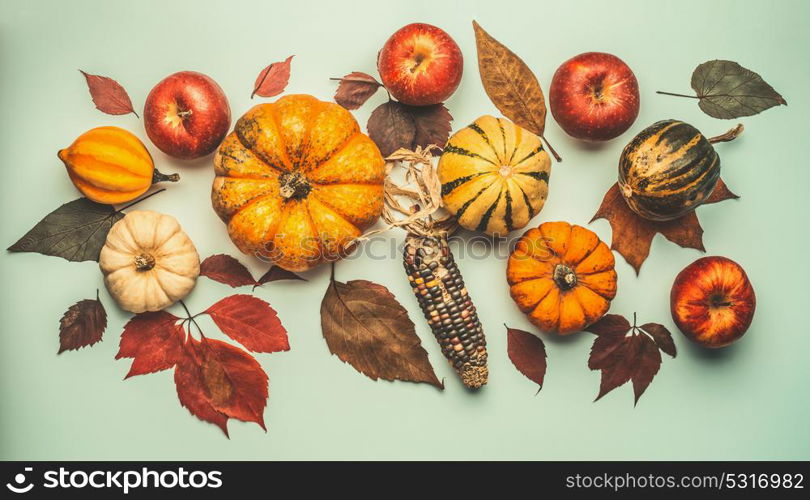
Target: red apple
594	96
420	65
187	115
712	301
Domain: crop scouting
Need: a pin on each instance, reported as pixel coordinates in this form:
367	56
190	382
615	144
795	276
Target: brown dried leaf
528	353
273	79
365	326
393	126
633	235
510	84
624	352
108	95
355	89
82	325
276	273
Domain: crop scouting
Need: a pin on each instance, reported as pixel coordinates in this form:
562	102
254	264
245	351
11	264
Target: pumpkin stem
293	185
565	277
728	136
144	262
158	176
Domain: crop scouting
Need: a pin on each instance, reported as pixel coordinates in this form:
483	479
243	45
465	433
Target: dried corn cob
440	290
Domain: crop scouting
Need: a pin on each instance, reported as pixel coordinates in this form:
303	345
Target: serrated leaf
276	273
153	340
432	125
632	234
226	269
76	231
82	325
727	90
273	79
661	336
365	326
251	322
393	125
108	95
528	353
355	89
510	84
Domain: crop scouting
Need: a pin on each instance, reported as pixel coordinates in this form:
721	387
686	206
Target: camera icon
20	485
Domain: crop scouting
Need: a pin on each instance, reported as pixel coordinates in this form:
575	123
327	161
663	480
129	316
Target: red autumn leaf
273	79
108	95
82	324
624	353
661	336
276	273
633	235
393	125
251	322
226	269
528	353
355	89
188	379
216	381
154	340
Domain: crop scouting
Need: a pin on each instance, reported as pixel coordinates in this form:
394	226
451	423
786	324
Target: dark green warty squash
667	170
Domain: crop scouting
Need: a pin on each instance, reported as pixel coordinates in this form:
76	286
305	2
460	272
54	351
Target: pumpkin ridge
99	165
539	176
111	134
503	136
508	210
609	297
533	306
107	195
526	200
273	172
282	145
336	151
450	186
532	153
474	126
450	148
333	209
653	193
484	222
306	141
685	176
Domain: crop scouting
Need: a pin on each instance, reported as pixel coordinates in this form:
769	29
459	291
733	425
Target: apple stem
677	95
551	149
184	114
728	136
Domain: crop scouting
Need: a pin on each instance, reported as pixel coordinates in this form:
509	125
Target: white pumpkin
148	262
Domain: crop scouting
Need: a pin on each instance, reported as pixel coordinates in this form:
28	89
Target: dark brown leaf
251	322
510	84
154	341
226	269
727	90
355	89
365	326
661	336
394	125
432	125
273	79
76	231
624	352
108	95
391	126
528	353
82	325
633	235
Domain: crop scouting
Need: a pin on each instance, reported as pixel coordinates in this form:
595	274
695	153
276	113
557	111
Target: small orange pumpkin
110	165
561	275
297	182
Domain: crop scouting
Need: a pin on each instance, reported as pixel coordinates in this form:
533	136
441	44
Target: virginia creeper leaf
365	326
355	89
108	95
226	269
276	273
76	231
153	340
188	379
528	353
273	79
251	322
393	125
82	325
661	336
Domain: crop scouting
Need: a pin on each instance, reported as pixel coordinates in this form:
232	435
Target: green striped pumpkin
668	170
494	176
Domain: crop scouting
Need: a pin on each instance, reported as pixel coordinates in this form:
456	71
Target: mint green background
749	401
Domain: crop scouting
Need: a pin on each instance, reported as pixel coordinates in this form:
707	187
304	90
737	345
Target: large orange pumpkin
296	182
561	275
